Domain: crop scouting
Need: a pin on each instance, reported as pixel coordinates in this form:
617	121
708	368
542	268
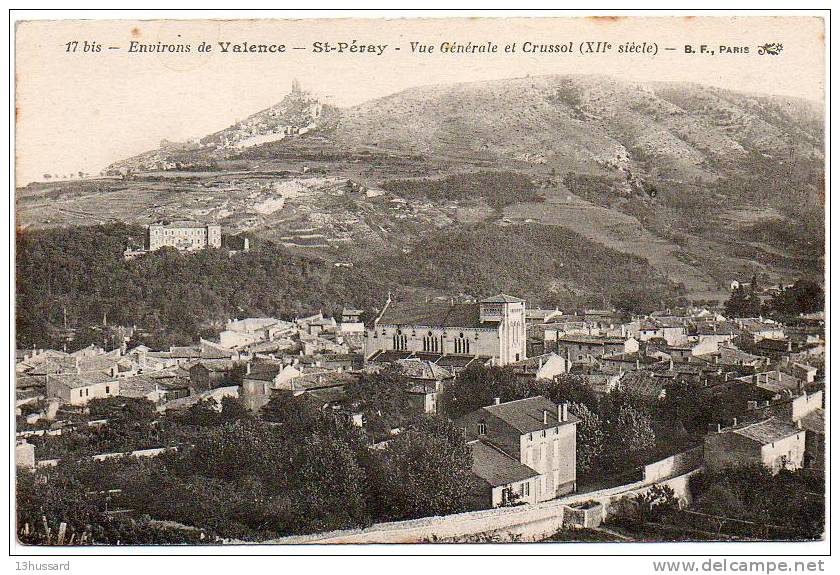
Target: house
771	442
807	411
216	395
673	332
598	380
802	371
590	348
427	383
210	373
777	382
351	322
624	362
493	327
545	366
534	433
536	315
731	355
760	329
502	479
79	388
183	235
262	378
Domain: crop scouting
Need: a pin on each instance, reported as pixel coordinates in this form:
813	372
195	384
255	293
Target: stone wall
676	464
521	523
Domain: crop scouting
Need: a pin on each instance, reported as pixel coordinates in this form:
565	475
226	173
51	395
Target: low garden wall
520	523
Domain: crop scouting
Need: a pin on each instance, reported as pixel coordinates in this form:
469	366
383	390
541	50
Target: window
462	344
87	392
81	393
482	428
525	489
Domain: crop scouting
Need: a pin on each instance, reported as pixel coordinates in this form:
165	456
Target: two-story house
523	450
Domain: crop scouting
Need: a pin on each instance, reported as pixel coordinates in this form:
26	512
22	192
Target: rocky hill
705	184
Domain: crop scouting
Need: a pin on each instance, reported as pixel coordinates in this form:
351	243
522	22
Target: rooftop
815	421
75	380
431	314
423	369
496	467
182	224
766	431
502	298
526	415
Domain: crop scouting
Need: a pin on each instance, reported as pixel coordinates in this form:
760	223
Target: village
552	406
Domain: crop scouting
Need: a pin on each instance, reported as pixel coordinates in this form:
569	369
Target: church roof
502	298
431	314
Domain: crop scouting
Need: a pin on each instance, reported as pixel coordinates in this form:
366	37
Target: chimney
563	412
248	368
497	400
714	428
734	421
752	404
545	417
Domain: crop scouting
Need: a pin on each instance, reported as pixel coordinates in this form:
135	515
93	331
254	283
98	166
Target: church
493	329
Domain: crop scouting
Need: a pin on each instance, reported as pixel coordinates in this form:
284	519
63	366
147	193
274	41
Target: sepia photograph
462	279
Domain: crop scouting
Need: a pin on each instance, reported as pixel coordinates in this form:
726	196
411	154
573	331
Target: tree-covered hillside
171	296
175	297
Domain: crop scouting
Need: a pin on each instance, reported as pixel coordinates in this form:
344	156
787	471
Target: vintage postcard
406	280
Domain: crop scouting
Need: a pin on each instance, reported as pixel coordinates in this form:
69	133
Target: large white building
493	328
184	236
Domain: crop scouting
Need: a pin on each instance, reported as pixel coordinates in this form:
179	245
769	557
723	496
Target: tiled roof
391	356
138	386
75	380
502	298
431	314
767	431
454	360
526	415
420	369
815	421
182	224
593	339
497	468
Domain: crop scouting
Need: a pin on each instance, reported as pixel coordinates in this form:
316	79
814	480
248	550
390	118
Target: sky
80	111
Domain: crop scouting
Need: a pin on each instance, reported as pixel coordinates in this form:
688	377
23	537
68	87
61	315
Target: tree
329	486
804	296
382	397
630	437
297	416
590	437
476	387
562	388
743	303
427	471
